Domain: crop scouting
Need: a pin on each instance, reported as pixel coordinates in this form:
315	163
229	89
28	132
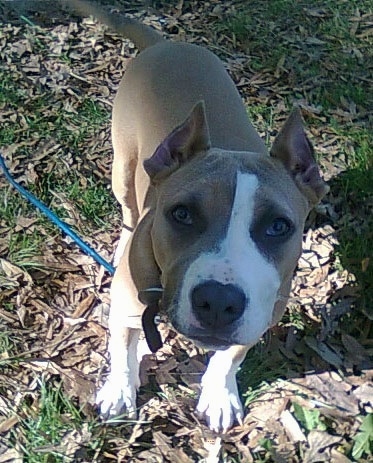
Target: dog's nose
216	305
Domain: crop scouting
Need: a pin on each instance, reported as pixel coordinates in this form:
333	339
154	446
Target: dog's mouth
210	342
205	337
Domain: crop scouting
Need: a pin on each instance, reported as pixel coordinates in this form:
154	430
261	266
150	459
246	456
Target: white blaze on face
238	261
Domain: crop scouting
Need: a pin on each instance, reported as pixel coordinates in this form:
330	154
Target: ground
307	386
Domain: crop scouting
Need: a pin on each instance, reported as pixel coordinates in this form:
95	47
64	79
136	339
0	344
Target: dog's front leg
122	243
119	391
219	402
118	394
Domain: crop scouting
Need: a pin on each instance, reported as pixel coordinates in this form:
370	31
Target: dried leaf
319	446
292	427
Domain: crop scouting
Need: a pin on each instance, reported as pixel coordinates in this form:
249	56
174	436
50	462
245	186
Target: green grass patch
333	94
24	247
259	370
7	344
50	427
92	203
70	129
95	202
355	235
35	115
320	42
73	128
10	94
262	117
40	116
358	152
91	199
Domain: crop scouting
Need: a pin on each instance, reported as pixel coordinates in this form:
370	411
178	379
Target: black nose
216	305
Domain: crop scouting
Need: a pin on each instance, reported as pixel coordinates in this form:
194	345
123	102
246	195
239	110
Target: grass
262	114
261	368
356	224
23	248
92	201
10	94
8	341
51	427
355	251
69	128
318	43
89	206
88	199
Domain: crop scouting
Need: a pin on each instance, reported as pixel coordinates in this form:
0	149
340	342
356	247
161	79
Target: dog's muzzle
216	305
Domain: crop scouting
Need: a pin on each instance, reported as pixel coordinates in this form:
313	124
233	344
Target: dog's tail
141	35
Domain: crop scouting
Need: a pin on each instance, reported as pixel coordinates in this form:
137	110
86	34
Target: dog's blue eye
279	227
182	215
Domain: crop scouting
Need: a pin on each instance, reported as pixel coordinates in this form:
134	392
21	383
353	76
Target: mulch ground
54	311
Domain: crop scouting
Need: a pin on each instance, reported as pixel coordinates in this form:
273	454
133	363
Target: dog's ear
190	138
141	257
293	148
146	276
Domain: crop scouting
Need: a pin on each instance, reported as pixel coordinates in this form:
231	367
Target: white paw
220	403
117	396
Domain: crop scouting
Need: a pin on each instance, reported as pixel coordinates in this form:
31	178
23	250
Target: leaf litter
53	311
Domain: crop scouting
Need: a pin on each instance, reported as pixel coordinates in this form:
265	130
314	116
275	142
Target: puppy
217	220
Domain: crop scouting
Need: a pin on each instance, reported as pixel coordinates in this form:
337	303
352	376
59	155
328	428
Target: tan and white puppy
217	220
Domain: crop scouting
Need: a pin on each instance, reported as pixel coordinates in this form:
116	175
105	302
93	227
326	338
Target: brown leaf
365	264
325	352
10	456
354	348
319	443
292	427
9	423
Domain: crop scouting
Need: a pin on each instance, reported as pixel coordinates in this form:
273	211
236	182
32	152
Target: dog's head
224	230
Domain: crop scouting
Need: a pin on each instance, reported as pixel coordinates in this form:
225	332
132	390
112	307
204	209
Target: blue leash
53	218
